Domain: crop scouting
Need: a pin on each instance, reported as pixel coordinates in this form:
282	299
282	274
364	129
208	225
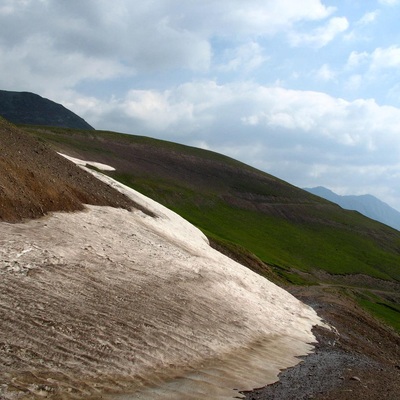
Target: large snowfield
142	305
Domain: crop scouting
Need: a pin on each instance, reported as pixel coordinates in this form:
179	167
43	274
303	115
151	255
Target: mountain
296	234
101	300
30	108
109	299
367	205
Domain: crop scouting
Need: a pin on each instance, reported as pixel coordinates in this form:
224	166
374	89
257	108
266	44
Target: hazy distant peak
366	204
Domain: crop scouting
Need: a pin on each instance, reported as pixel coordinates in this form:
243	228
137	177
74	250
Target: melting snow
77	161
208	325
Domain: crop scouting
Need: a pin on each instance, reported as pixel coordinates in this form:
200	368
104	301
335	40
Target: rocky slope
35	180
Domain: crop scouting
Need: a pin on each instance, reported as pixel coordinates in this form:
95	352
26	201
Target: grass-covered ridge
280	224
282	232
383	306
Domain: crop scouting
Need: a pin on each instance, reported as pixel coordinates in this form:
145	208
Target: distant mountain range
32	109
366	204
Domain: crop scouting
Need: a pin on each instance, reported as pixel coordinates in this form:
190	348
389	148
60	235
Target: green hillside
284	226
274	228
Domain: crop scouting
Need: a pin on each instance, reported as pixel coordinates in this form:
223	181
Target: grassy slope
250	214
388	312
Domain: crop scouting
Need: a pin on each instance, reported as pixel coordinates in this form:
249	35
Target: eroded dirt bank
34	180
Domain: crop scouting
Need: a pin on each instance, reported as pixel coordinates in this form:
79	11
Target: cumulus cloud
385	58
362	31
368	18
252	17
389	2
356	59
376	61
321	36
325	73
139	37
271	118
354	82
25	69
244	58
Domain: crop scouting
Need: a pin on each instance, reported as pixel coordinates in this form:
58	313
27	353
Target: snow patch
77	161
207	324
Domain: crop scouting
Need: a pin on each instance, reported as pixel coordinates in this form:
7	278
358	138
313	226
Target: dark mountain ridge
32	109
366	204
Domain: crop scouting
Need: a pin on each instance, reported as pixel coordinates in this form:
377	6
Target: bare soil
35	180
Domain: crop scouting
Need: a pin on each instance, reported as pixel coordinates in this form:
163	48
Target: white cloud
251	17
159	111
270	114
244	58
385	58
356	59
321	36
325	73
354	82
139	37
362	30
37	66
374	63
389	2
368	17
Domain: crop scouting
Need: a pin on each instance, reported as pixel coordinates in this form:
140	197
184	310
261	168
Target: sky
307	91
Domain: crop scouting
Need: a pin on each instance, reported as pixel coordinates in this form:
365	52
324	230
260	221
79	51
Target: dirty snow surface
109	303
82	163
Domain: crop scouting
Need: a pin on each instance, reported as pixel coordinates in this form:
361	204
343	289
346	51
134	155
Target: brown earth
35	180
